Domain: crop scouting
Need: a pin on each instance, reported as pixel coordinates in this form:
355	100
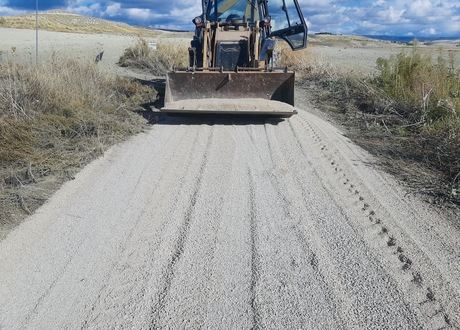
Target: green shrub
427	93
428	90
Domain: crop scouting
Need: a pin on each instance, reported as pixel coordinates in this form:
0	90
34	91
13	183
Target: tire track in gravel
393	252
300	234
191	286
285	225
385	275
255	268
226	290
289	215
47	292
181	240
305	212
134	278
155	186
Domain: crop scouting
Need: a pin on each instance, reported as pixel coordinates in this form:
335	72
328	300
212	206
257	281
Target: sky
428	18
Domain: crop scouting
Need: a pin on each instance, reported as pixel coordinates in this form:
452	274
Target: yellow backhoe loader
231	68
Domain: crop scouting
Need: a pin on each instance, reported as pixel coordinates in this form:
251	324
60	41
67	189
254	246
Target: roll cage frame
264	12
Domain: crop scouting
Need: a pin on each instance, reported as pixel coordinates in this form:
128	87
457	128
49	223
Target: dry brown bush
303	62
158	62
54	118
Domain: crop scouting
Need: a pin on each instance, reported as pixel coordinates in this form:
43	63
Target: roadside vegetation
408	114
55	118
157	61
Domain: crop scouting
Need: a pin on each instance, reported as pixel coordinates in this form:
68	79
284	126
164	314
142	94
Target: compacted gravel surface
225	222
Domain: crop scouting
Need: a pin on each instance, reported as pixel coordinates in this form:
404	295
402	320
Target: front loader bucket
251	93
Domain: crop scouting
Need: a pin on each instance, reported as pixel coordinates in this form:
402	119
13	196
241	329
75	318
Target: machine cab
233	11
285	16
288	22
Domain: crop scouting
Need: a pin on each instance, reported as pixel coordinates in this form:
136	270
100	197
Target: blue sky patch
380	17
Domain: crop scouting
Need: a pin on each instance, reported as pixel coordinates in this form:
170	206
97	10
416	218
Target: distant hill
407	39
354	41
62	21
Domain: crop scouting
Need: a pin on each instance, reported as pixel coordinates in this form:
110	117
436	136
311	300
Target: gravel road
232	223
214	222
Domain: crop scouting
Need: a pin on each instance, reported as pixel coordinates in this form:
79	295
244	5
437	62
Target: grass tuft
159	61
431	91
303	62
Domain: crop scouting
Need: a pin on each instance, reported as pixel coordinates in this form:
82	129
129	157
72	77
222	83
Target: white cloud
430	31
392	17
138	13
421	8
113	9
8	11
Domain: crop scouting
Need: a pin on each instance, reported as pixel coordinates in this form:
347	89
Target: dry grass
54	119
350	41
430	90
303	62
159	61
69	22
408	114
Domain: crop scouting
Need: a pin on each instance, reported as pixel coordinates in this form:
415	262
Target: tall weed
429	90
158	62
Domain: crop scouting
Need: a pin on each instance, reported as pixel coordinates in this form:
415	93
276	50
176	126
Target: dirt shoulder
59	115
399	155
352	81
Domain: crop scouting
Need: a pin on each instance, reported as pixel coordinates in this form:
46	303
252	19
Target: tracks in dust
295	233
117	267
61	273
255	268
430	307
181	240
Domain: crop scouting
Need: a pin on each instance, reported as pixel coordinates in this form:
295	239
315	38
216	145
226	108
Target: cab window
228	10
288	23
